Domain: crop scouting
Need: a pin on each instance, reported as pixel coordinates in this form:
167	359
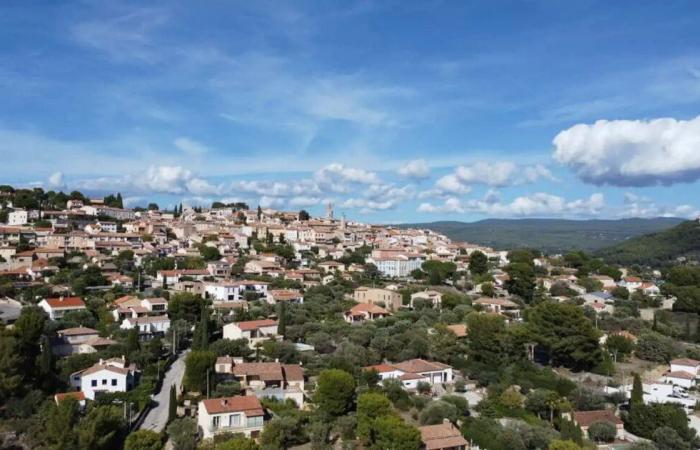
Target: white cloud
639	206
417	169
336	177
538	204
304	201
451	184
632	152
271	202
190	147
156	179
499	174
56	180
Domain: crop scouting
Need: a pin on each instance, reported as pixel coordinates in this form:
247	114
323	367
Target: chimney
224	401
60	299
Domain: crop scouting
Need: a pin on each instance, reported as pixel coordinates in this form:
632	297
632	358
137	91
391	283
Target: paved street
158	416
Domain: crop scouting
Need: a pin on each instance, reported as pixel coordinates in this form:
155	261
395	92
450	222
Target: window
234	420
114	381
256	421
94	383
215	421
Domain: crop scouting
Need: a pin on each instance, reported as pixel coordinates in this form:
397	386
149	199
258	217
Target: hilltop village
237	327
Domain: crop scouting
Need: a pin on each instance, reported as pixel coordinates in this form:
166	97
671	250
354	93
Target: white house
111	375
148	326
275	296
240	414
399	266
17	217
631	283
434	297
363	312
229	291
57	307
414	371
254	330
688	365
679	378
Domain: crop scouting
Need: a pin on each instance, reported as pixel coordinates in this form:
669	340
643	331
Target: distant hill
549	235
657	249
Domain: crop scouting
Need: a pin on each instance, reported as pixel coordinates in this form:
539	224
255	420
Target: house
169	277
500	306
606	281
376	296
234	290
256	331
111	375
331	266
650	289
221	269
363	312
414	371
459	329
241	414
688	365
148	326
679	378
398	266
631	283
78	340
434	297
584	419
57	307
284	295
265	379
443	436
17	218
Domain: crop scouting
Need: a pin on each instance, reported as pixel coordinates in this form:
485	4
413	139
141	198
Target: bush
602	432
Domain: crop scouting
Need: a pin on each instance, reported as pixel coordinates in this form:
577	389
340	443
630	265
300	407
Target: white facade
398	267
255	331
229	417
17	218
106	376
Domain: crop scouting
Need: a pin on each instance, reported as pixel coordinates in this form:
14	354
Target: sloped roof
444	435
247	404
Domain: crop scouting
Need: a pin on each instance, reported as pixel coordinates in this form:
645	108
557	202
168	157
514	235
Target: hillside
658	248
550	235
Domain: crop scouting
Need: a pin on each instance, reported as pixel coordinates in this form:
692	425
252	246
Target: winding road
157	417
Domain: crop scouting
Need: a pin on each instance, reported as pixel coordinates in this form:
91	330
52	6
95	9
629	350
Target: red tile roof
65	302
247	404
255	324
587	418
444	435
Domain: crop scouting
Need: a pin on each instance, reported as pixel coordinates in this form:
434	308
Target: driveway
157	417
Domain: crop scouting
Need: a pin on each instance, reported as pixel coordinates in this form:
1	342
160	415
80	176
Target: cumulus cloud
538	204
632	152
639	206
56	180
451	184
190	147
336	177
417	169
499	174
156	179
304	201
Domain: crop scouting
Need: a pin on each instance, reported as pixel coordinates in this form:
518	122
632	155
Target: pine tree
637	395
172	406
697	330
120	202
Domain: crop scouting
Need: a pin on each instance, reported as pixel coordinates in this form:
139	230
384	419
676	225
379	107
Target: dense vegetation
548	235
657	249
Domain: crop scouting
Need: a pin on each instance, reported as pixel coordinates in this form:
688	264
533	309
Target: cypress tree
282	319
172	406
697	330
637	395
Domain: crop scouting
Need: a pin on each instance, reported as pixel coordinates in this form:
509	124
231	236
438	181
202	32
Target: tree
30	325
437	411
172	404
637	394
143	440
478	263
667	438
486	338
209	253
619	345
602	431
152	207
10	366
334	392
182	433
620	292
198	364
488	290
101	428
282	319
563	445
565	333
656	347
60	422
237	443
521	280
393	433
643	420
200	340
283	431
370	406
303	215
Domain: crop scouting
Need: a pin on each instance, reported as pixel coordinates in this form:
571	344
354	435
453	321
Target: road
158	416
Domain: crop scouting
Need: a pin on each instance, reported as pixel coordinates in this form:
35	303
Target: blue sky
394	111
